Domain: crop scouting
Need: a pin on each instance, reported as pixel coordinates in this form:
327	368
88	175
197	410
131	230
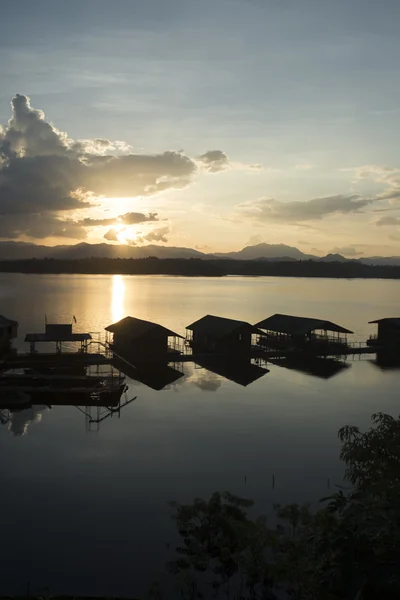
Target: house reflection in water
324	368
156	376
387	360
243	372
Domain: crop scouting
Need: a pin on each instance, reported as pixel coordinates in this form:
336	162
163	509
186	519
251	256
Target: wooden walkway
83	359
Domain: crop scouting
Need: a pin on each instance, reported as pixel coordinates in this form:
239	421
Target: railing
314	339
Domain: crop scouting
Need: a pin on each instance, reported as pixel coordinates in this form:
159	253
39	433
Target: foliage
349	549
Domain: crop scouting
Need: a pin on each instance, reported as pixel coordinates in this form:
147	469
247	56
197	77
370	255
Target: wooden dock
28	359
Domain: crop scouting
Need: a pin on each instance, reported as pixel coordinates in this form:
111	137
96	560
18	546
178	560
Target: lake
86	512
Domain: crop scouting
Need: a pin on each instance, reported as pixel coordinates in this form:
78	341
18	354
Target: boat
61	388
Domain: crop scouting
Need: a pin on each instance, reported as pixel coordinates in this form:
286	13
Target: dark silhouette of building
8	331
59	333
388	332
213	334
288	332
141	341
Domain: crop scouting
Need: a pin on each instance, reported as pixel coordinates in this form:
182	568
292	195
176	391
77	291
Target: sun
126	235
121	235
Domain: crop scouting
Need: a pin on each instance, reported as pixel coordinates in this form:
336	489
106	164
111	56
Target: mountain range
262	252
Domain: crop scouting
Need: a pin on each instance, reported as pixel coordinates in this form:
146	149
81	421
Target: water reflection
18	421
205	380
157	377
118	297
242	372
324	368
387	361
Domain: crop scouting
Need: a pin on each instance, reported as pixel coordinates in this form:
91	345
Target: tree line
199	267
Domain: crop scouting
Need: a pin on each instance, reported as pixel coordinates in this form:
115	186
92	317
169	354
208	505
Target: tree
349	549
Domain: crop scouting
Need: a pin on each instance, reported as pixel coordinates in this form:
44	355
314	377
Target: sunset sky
213	124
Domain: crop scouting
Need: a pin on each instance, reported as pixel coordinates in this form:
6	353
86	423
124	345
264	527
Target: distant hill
391	261
332	258
267	251
258	252
23	251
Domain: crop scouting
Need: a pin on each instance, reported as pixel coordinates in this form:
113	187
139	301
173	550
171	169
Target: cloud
39	226
45	174
131	218
388	176
111	235
136	174
214	161
269	209
346	251
254	240
157	235
385	221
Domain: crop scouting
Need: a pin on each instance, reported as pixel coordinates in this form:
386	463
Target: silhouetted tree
349	549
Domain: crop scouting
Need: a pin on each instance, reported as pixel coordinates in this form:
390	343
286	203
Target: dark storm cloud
38	226
44	173
269	209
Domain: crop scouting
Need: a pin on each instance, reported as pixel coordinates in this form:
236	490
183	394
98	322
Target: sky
211	125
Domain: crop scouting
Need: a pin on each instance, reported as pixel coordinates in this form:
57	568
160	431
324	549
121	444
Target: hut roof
298	325
54	337
137	328
394	321
219	327
4	322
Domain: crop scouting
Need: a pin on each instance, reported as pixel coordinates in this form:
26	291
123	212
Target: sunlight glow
117	297
126	235
121	235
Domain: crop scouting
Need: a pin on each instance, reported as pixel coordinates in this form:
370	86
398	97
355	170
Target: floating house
286	332
212	334
8	331
388	332
141	341
58	333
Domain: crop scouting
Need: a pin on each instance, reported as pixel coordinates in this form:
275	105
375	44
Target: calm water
87	512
